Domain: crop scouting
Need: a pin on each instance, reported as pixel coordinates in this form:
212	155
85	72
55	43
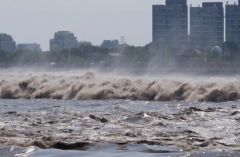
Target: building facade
6	43
233	22
32	47
63	40
80	43
207	25
170	23
110	44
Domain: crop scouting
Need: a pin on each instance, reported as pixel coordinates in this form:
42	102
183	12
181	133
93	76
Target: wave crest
89	86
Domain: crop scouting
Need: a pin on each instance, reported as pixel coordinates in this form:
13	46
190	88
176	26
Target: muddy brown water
78	85
50	128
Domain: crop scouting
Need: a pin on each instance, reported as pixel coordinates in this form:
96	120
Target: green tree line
87	55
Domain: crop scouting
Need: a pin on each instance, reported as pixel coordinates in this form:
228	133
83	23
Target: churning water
112	150
95	115
141	128
78	85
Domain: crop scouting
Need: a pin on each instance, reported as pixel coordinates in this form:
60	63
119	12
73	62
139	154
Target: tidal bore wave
91	87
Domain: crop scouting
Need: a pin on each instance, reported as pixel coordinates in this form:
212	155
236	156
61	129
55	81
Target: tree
231	46
2	56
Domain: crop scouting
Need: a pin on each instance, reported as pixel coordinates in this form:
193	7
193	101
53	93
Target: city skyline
92	21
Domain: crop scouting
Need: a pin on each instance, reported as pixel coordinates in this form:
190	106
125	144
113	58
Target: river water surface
80	113
129	128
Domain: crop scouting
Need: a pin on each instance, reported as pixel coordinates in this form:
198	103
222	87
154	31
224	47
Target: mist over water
97	85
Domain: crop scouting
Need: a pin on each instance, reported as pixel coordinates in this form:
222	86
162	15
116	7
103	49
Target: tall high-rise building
233	22
63	40
170	23
207	25
183	3
6	43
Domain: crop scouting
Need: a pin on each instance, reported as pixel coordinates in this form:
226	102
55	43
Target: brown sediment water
74	110
70	125
93	86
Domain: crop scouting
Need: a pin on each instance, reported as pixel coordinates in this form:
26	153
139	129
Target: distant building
207	25
6	43
63	40
185	56
170	23
80	43
122	46
110	44
233	22
31	47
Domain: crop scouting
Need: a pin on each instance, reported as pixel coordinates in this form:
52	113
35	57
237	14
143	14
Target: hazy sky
35	21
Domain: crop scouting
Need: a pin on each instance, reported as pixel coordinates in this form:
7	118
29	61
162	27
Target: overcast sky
35	21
